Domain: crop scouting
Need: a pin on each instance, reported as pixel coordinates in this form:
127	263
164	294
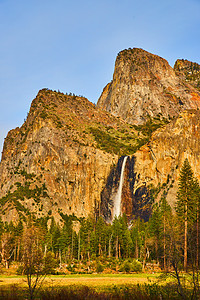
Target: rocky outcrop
145	86
59	160
158	163
188	71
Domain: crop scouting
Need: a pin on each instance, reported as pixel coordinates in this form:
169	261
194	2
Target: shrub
43	115
136	266
20	270
50	263
126	267
99	268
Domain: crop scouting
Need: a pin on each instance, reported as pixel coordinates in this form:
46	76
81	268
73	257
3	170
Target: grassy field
141	286
91	280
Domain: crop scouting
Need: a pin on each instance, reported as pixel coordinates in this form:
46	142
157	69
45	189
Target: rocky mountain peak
145	86
145	64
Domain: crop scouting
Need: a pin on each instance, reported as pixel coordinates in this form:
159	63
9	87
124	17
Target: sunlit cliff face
67	156
145	86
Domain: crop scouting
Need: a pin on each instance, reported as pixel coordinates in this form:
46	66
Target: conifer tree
87	227
118	226
185	202
137	230
155	228
167	217
101	235
195	229
18	237
116	233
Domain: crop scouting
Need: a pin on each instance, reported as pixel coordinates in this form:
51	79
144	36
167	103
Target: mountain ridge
66	157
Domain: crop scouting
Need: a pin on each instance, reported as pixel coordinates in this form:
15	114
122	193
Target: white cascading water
117	200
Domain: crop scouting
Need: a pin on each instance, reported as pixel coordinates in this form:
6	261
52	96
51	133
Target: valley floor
141	286
91	280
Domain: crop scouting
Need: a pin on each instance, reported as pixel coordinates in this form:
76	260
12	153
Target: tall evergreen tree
137	232
167	217
185	202
101	235
155	228
194	247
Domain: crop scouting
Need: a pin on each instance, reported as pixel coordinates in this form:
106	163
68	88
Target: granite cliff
158	163
153	171
67	156
145	86
59	160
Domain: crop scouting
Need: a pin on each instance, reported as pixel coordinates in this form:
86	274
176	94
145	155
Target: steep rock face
59	160
188	71
55	179
145	86
132	204
158	163
110	190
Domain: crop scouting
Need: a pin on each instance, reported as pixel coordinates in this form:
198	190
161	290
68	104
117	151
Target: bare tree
33	259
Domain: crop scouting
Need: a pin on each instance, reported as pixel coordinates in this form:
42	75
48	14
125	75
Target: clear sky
72	45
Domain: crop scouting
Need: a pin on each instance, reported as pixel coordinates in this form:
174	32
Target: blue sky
72	45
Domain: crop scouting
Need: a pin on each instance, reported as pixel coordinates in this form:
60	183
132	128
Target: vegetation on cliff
78	120
81	121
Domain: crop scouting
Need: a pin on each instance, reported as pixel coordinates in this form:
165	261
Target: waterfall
117	199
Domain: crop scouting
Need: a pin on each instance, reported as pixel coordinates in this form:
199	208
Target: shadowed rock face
133	204
144	85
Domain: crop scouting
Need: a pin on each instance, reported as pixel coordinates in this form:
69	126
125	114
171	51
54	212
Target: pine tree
185	202
87	227
137	230
155	228
101	235
116	229
125	238
195	231
18	235
167	217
